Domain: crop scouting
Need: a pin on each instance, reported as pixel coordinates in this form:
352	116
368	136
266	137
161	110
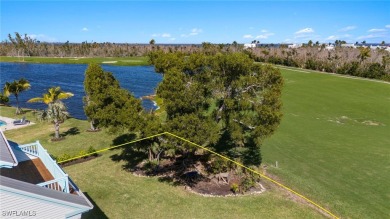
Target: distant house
348	45
329	47
295	45
33	185
249	45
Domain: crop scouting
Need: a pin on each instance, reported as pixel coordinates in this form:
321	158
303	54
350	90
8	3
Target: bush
91	150
150	166
63	157
3	99
234	187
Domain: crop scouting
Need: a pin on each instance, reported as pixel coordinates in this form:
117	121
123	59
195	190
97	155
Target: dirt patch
371	123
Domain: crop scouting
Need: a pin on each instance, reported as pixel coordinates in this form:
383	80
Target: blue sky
196	22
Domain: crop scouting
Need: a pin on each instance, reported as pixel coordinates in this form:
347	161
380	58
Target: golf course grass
128	61
333	146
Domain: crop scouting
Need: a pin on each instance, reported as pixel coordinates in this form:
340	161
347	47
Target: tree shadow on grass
71	131
96	212
130	153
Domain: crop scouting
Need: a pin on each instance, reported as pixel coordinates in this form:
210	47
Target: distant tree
317	43
152	42
363	42
15	88
383	43
356	43
310	43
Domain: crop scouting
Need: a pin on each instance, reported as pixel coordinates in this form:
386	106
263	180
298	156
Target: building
295	45
249	45
329	47
348	45
32	185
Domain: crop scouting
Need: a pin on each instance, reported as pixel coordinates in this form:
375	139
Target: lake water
140	80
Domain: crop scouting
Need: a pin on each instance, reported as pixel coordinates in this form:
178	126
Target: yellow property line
224	157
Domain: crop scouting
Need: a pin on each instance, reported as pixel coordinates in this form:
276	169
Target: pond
139	80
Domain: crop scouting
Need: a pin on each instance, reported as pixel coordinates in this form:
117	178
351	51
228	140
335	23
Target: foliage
56	113
234	187
52	95
107	104
224	94
4	99
15	88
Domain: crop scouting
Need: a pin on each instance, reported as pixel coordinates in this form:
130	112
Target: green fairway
128	61
333	144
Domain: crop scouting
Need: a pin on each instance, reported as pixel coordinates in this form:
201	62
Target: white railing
60	177
59	184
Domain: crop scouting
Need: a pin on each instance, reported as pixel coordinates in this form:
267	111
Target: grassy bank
333	142
125	61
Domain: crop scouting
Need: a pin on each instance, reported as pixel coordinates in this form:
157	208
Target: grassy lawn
76	138
333	144
119	194
128	61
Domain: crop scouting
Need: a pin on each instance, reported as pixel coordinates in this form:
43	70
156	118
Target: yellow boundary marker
226	158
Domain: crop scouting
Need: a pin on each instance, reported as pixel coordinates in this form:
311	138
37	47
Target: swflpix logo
18	213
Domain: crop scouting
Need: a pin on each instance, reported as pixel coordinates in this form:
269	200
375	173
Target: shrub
4	99
63	157
234	187
91	150
150	166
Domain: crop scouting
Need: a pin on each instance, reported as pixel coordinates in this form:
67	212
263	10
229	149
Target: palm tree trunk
18	110
57	129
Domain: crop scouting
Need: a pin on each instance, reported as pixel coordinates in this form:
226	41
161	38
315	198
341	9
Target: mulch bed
80	160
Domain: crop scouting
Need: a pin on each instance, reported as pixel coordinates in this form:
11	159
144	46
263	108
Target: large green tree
107	104
15	88
224	101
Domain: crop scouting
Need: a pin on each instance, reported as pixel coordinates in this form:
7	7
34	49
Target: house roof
7	156
43	193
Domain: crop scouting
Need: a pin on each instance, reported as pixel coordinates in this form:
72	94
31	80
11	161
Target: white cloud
194	32
376	30
247	36
264	31
172	39
387	26
42	37
264	36
347	28
84	29
370	36
333	37
165	35
305	30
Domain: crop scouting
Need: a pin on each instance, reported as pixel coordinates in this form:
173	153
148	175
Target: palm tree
53	95
55	113
15	88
